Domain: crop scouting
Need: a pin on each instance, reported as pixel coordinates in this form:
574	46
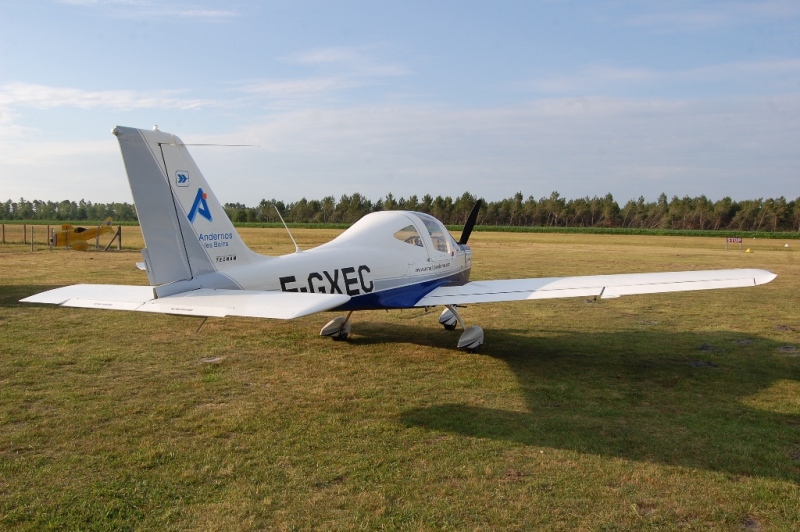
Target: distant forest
551	211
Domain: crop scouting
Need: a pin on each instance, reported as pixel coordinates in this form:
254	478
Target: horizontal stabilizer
202	302
107	296
593	286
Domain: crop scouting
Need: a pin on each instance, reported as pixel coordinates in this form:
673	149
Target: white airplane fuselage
396	276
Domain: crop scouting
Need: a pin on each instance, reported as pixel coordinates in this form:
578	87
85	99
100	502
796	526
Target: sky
586	98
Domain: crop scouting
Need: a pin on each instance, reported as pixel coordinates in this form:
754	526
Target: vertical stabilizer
186	231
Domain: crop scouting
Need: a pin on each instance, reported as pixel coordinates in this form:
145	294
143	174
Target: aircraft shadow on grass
681	404
11	294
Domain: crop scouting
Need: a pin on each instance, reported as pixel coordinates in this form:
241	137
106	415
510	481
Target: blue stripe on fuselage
403	296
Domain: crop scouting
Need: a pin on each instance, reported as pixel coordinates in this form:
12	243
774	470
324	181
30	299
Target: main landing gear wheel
338	328
472	337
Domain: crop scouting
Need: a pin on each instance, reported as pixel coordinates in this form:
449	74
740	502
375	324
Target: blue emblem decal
200	206
182	178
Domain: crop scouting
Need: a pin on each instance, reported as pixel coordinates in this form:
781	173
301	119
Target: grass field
648	412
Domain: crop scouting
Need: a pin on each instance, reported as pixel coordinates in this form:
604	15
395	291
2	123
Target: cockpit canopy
414	228
440	238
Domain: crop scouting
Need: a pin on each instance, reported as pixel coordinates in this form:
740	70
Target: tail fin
186	231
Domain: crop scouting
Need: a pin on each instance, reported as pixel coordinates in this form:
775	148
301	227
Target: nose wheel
472	337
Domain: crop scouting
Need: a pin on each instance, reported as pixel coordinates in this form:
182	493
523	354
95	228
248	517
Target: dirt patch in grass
644	508
752	524
794	454
703	364
707	348
514	475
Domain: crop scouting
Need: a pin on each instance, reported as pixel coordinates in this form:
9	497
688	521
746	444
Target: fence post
4	233
31	237
50	237
24	233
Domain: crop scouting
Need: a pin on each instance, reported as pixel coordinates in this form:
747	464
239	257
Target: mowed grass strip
663	412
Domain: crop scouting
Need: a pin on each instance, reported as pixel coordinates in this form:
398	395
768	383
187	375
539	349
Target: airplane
77	237
198	265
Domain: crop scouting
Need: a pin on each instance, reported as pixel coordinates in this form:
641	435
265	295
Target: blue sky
629	97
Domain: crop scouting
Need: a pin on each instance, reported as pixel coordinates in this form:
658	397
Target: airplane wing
201	302
604	286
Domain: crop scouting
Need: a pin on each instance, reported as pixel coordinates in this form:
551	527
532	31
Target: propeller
471	219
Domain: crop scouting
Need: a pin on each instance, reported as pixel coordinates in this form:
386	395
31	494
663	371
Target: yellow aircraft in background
78	237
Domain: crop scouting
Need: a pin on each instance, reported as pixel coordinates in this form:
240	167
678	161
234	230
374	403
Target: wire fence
52	236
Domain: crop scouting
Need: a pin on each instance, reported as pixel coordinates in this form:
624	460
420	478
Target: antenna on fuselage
296	247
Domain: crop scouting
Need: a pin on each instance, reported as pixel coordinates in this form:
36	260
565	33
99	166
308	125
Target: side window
409	235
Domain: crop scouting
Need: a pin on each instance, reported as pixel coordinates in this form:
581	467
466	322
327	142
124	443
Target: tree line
548	211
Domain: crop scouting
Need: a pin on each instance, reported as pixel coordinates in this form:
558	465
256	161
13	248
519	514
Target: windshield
441	238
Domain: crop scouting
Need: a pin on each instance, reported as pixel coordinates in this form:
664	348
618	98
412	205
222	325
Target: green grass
648	412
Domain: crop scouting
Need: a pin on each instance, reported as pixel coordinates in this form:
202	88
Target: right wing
200	302
592	286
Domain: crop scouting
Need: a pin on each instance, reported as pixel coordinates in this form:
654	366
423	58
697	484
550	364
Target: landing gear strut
338	328
472	337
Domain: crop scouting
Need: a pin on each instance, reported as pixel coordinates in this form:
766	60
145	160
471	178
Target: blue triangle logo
200	206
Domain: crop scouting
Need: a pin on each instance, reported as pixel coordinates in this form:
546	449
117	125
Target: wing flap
201	302
605	286
245	303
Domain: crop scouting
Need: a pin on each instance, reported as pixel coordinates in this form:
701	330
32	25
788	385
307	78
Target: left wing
201	302
593	285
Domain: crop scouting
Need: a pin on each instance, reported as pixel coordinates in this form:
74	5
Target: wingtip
764	276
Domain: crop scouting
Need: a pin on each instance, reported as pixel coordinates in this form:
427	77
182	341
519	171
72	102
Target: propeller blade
471	219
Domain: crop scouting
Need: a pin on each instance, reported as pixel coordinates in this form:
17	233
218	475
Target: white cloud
777	74
46	97
337	70
744	148
738	147
55	171
143	9
297	88
349	60
8	128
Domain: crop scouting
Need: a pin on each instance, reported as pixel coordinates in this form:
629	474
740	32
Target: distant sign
733	240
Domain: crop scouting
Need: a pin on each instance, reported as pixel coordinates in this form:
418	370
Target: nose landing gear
472	337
